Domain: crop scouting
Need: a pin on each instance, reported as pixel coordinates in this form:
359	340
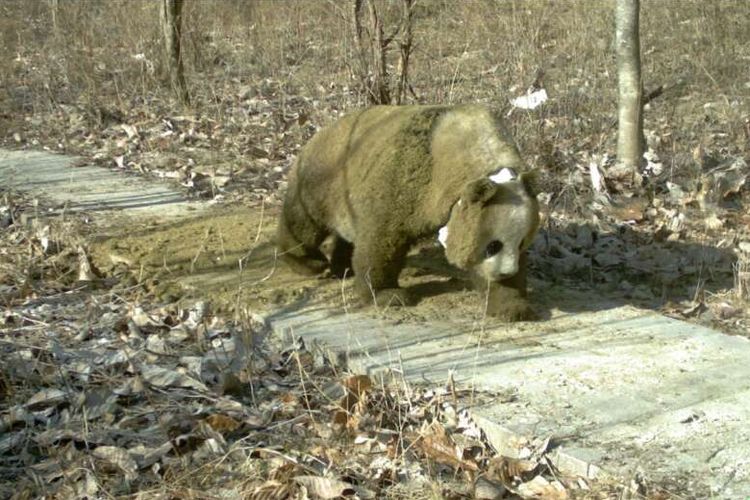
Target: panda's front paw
393	297
509	304
305	266
513	310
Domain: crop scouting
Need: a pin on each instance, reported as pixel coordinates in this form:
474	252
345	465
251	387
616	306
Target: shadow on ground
626	267
228	256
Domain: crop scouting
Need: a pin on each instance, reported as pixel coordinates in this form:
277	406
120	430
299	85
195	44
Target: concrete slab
616	387
74	188
623	389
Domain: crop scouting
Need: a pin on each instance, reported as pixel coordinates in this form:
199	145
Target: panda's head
491	225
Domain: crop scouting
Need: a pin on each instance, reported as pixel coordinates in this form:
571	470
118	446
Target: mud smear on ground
227	256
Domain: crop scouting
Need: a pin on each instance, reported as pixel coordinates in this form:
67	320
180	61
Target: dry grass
464	51
104	58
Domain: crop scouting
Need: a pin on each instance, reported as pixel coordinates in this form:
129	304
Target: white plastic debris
531	100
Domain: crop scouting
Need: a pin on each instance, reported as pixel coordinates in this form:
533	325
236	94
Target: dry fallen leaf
118	457
85	270
46	398
438	446
222	423
340	418
358	384
713	222
273	490
628	209
130	130
506	469
324	487
539	487
141	318
163	377
485	489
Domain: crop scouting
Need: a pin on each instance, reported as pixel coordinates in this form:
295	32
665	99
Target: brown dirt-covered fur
380	179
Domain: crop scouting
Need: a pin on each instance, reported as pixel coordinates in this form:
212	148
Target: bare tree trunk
371	47
405	49
171	22
380	89
630	117
359	36
53	8
363	62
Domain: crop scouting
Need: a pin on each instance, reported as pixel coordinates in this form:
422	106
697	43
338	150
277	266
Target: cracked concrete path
622	389
73	186
618	389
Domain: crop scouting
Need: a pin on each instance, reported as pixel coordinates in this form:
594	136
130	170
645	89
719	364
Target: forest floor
116	382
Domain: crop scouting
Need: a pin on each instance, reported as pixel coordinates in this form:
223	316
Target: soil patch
227	256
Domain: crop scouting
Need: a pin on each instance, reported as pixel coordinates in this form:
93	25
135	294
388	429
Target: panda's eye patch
493	248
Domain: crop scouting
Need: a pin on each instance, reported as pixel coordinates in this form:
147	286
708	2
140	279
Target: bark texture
171	23
630	116
372	45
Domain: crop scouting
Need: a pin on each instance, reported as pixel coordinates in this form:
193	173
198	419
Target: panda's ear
479	191
530	182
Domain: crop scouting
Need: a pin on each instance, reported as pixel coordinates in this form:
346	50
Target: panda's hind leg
341	258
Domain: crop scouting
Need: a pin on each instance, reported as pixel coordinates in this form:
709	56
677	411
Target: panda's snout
502	276
499	266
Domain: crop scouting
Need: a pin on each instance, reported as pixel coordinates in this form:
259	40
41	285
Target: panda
381	179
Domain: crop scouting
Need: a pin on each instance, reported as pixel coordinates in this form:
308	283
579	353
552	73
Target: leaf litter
107	393
671	241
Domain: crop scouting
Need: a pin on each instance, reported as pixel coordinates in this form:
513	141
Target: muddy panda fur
380	179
